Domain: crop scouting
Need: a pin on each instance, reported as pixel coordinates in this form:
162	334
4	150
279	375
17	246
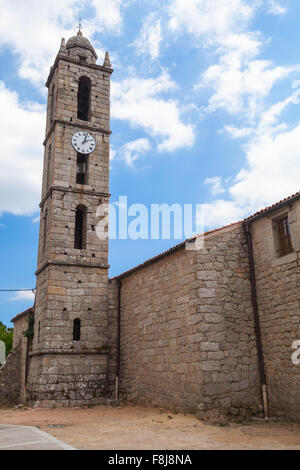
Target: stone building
208	331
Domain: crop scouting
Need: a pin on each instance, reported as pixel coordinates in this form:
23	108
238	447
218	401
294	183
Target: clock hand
85	138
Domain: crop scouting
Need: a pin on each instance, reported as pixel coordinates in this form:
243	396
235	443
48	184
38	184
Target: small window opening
76	329
80	228
45	230
49	167
284	236
84	92
81	171
82	58
52	103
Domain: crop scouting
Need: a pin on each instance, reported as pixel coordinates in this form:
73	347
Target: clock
83	142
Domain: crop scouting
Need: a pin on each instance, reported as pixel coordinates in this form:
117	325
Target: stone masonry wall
63	371
278	281
112	335
187	331
21	325
10	378
231	384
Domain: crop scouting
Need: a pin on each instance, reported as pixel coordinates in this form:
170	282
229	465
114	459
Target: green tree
6	335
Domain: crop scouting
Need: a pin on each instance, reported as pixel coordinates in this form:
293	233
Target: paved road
28	438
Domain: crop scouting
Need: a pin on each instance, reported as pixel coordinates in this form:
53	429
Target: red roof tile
168	252
249	219
272	208
20	315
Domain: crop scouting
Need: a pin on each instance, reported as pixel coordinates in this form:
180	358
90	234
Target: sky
204	110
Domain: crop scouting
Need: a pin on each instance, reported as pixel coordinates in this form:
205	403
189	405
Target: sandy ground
141	428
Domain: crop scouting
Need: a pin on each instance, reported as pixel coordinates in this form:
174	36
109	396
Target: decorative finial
62	48
106	62
79	28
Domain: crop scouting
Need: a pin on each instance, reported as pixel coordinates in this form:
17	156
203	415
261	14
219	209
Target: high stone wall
187	331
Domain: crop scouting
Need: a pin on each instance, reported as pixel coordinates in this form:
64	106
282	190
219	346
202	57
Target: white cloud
138	101
268	122
36	220
131	151
221	212
209	18
215	184
150	37
275	7
112	153
238	133
33	29
240	82
23	296
272	169
2	226
22	128
107	16
241	89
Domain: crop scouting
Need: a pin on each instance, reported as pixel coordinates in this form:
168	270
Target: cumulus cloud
221	212
209	18
271	171
275	7
239	80
215	184
150	37
21	158
131	151
138	101
35	37
241	88
241	83
23	296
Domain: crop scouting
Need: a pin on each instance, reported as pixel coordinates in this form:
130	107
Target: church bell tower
68	359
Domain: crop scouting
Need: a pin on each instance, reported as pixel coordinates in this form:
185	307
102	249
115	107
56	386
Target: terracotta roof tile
249	219
272	208
20	315
168	252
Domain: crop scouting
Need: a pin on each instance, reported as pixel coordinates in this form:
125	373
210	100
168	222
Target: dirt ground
141	428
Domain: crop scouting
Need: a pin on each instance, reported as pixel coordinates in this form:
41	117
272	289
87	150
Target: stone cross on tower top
79	27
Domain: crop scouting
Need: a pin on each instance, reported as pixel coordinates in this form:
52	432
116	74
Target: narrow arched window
82	169
80	228
49	166
52	103
84	98
45	230
76	329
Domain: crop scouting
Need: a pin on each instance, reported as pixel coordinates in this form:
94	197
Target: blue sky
205	109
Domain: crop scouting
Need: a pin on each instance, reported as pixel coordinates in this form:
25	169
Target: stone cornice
44	352
76	62
77	125
74	191
68	263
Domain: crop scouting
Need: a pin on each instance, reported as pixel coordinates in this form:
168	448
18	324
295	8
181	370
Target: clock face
83	142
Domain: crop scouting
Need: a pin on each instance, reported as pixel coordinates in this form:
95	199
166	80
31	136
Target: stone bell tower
68	360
